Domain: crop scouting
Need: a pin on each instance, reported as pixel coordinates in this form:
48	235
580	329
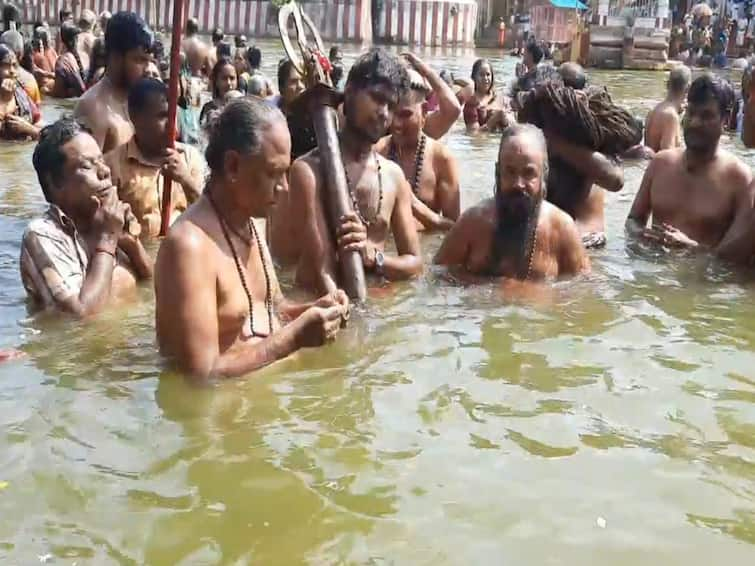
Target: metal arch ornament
310	60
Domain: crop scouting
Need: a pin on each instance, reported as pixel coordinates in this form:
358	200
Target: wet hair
126	32
573	75
192	26
536	50
534	133
712	87
43	35
14	40
284	72
240	41
98	59
256	85
64	14
477	67
335	50
377	66
68	34
10	14
239	127
139	94
254	57
217	35
679	79
222	62
48	158
27	61
224	49
5	52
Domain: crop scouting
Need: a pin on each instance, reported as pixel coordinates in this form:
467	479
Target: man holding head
517	233
104	107
426	163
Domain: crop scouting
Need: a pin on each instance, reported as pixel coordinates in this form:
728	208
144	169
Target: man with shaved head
196	50
573	75
517	233
663	124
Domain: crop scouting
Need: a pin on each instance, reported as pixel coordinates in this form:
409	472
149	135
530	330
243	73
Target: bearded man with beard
702	196
381	196
517	233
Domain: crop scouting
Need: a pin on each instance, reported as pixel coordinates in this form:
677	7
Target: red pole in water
175	69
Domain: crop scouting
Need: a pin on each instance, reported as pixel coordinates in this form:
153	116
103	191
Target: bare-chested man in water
663	125
381	195
104	107
517	233
427	164
197	51
701	196
228	317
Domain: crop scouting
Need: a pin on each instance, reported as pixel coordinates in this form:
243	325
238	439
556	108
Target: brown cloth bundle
585	117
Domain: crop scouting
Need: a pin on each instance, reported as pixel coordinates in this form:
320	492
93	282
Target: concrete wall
427	22
336	20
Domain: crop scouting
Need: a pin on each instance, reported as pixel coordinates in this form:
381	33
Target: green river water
614	424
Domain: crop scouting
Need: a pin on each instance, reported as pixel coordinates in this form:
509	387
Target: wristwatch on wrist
379	262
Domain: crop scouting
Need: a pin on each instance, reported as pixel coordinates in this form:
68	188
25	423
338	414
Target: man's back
196	55
662	127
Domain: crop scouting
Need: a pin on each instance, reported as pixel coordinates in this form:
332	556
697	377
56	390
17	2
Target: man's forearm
246	358
140	260
428	217
401	267
95	292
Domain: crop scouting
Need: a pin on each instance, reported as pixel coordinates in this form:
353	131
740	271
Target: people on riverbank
78	258
104	107
427	164
381	196
517	233
663	124
699	197
140	166
230	318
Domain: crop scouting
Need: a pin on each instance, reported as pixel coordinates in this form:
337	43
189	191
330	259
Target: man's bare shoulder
383	145
391	169
482	214
668	158
188	235
738	174
553	217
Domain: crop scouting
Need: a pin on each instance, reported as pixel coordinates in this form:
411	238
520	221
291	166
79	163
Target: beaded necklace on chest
225	226
352	193
419	160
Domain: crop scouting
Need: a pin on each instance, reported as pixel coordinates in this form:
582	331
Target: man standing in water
427	164
78	257
140	166
701	196
104	107
197	51
663	124
577	173
229	318
381	197
517	233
